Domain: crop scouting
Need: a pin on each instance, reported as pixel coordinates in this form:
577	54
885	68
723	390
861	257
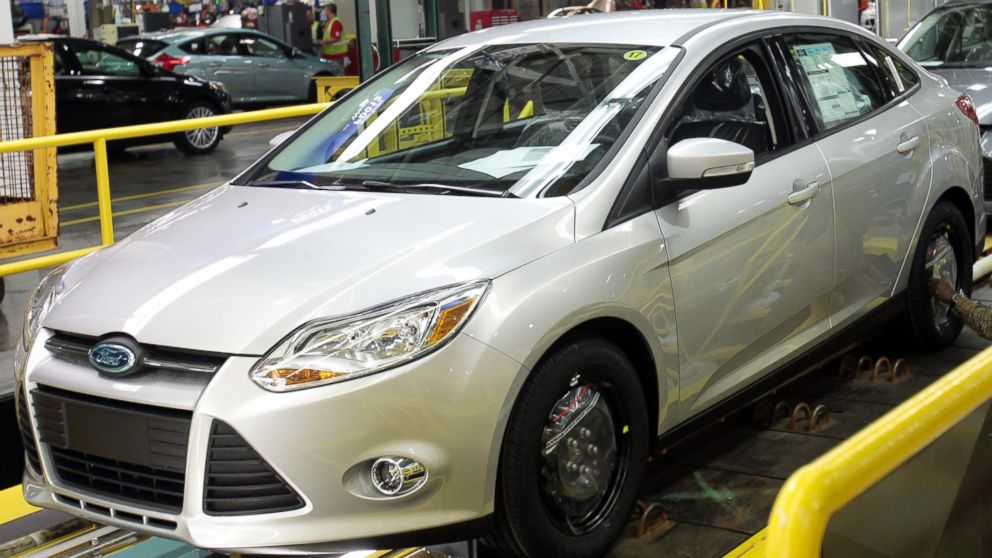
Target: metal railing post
103	192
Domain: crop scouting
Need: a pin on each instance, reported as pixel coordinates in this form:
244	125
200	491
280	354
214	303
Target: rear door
877	147
225	61
751	265
276	79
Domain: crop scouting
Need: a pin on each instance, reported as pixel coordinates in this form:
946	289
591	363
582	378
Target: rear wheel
944	251
575	449
201	140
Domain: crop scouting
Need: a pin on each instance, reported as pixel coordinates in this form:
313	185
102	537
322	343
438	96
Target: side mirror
708	163
277	140
296	53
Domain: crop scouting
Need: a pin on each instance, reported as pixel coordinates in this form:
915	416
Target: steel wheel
581	465
201	138
942	263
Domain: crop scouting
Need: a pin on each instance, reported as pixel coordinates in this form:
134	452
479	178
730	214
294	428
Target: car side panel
618	273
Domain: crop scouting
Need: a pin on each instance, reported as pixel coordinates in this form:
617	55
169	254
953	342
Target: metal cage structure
29	217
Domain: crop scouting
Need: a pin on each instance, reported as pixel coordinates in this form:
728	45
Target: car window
141	47
731	102
251	45
196	46
837	81
896	77
221	45
958	36
99	62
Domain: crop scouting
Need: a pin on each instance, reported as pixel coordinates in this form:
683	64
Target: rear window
141	47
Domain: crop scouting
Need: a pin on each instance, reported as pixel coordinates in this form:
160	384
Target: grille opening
239	482
162	523
27	432
75	348
98	509
70	501
132	517
143	462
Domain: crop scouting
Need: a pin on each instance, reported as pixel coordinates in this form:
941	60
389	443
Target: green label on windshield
634	55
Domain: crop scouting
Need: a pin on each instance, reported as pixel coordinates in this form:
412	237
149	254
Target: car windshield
954	37
501	120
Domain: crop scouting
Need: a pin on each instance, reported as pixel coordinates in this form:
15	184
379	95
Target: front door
276	79
751	265
225	62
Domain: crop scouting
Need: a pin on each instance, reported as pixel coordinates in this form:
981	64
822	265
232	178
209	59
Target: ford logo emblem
112	358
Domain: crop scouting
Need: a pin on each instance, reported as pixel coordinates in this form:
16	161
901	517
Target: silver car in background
467	298
954	41
254	67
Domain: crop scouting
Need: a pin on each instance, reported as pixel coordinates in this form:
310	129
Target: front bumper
446	411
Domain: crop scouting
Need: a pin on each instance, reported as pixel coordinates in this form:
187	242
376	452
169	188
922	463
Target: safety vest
337	48
315	30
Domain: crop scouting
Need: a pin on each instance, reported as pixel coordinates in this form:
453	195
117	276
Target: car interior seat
722	107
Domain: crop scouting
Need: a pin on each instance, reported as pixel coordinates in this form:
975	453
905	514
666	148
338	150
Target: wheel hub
579	457
942	263
201	138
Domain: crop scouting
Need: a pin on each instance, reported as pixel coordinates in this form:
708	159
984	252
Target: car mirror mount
706	164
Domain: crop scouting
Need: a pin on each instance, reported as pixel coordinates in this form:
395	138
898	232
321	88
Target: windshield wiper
290	183
467	190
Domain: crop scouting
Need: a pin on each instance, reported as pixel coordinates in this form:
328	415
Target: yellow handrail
813	493
99	139
160	128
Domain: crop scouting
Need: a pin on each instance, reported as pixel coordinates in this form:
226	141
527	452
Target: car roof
632	27
177	35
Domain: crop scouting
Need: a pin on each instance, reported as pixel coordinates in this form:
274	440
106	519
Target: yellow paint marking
751	548
147	195
13	506
126	212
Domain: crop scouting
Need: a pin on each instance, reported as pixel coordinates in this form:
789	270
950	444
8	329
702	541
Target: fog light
396	476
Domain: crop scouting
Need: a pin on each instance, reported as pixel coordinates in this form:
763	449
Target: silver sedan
467	298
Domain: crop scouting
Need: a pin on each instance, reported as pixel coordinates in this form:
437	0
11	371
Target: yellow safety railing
99	139
813	493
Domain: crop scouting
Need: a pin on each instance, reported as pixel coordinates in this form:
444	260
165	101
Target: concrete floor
146	183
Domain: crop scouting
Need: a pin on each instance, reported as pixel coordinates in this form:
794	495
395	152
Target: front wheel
943	251
201	140
575	448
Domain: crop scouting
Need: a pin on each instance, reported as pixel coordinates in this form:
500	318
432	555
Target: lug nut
592	450
585	433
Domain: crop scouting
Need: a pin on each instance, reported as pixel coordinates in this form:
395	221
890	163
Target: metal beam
363	14
384	33
430	19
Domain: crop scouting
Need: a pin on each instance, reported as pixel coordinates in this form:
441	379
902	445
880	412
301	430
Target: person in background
333	45
978	317
315	30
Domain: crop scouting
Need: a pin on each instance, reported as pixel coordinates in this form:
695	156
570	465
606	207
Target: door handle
803	191
262	65
907	145
213	64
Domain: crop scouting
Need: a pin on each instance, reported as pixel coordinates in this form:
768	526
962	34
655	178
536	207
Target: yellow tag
626	429
634	55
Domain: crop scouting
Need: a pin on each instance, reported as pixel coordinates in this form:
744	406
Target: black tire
921	319
531	519
204	140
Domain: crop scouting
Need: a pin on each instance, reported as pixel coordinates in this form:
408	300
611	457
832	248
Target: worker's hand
941	290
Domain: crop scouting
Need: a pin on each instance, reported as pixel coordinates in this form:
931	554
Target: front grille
114	449
239	481
27	433
987	172
76	348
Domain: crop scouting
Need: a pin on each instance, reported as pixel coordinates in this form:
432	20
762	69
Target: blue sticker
366	109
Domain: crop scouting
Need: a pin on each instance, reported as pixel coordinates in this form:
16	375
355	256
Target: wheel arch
957	196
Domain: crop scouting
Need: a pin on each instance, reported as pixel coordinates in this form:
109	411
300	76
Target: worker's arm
978	317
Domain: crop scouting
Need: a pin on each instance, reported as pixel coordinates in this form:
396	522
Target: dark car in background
954	41
100	86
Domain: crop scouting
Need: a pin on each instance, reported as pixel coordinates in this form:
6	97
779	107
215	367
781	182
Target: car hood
239	268
977	83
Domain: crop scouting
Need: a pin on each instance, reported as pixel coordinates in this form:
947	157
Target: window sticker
635	55
895	73
832	89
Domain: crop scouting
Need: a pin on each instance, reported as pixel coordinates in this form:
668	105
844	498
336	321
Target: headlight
45	295
334	350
